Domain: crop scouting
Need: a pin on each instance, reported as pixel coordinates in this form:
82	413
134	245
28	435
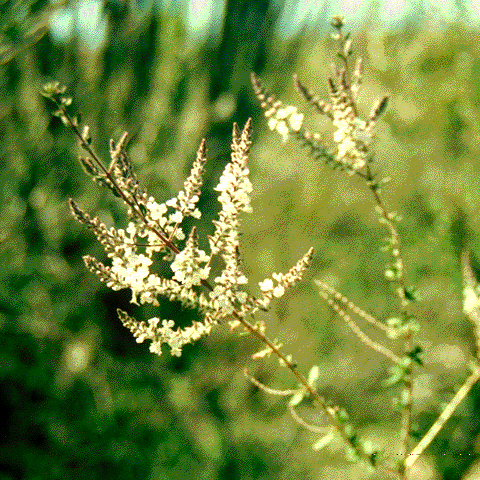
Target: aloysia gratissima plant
225	297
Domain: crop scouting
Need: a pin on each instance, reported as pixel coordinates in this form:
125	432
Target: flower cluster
159	224
283	281
187	264
235	189
352	136
284	119
164	333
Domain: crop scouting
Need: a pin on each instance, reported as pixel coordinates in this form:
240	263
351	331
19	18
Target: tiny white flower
272	123
296	121
470	301
156	347
153	322
175	351
339	136
179	235
283	113
282	129
266	285
278	291
141	338
241	296
242	280
270	112
156	210
168	323
176	217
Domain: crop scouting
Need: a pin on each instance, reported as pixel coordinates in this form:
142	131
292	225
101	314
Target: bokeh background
79	398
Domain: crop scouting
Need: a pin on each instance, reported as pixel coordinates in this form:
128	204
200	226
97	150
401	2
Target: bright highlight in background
204	18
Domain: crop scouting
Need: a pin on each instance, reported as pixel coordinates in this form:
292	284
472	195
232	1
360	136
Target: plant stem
442	419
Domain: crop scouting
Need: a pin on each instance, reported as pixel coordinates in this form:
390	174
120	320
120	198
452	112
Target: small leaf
405	398
411	294
391	274
414	355
396	375
143	208
323	442
313	375
415	432
342	415
297	398
347	48
394	322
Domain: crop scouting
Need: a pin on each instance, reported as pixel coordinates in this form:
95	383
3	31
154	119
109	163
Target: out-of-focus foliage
23	23
82	400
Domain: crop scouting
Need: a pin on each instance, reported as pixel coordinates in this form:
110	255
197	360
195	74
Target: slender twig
318	400
286	393
270	391
306	425
355	309
472	311
360	333
408	340
444	416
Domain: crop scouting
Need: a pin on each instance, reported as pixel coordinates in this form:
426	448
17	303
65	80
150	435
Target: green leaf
415	355
391	274
323	442
297	398
342	415
394	322
396	376
143	209
411	294
313	375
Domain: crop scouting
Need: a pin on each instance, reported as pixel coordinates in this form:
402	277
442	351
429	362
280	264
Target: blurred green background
80	399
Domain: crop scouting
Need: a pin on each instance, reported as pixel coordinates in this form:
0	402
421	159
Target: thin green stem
400	279
319	401
408	340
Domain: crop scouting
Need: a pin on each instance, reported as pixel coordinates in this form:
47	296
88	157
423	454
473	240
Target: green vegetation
83	400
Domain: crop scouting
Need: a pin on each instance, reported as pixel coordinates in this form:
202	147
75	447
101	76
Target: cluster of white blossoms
160	332
235	189
352	136
284	119
282	281
187	264
159	225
